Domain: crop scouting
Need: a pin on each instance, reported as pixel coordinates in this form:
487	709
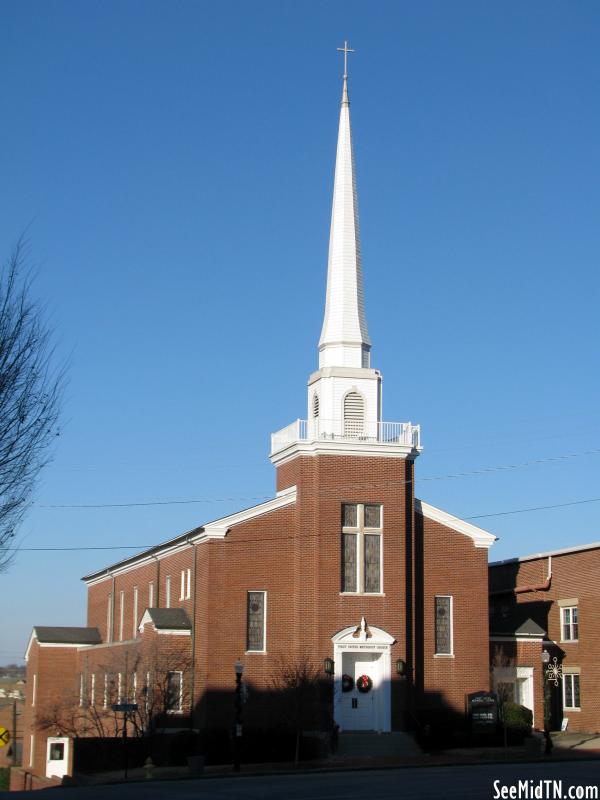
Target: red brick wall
574	575
454	566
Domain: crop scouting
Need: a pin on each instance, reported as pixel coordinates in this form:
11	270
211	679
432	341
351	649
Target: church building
344	570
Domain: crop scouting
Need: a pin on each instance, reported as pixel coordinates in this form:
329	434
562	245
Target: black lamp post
237	734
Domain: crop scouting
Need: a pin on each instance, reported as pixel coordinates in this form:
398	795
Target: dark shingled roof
171	618
56	635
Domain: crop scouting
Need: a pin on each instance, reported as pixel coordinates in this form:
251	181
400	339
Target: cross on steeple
345	50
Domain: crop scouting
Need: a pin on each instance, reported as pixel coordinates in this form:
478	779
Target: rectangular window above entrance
362	548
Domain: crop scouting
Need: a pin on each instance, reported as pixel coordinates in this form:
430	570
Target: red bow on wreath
364	683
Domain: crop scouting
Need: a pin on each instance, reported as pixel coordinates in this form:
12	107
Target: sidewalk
567	746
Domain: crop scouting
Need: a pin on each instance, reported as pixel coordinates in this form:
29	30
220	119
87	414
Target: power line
307	536
387	485
535	508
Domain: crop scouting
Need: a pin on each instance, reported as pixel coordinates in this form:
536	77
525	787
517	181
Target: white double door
358	710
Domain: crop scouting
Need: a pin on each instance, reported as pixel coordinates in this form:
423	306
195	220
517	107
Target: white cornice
213	530
480	537
323	447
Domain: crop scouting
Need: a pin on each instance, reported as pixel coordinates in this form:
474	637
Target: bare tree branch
30	397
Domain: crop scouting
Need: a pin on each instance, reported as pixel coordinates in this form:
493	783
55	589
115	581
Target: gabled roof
527	629
480	537
217	529
55	636
173	619
58	635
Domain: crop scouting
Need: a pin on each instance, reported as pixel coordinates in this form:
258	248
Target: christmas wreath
364	684
347	683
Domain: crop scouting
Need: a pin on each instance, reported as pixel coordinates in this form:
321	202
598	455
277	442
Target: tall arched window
354	414
315	407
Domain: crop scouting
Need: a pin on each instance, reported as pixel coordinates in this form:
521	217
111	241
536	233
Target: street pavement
422	783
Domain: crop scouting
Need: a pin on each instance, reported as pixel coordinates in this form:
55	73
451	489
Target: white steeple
344	338
344	394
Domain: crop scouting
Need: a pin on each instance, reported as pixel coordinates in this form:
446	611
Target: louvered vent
354	414
316	405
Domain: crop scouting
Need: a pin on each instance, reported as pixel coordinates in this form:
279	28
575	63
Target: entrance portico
362	652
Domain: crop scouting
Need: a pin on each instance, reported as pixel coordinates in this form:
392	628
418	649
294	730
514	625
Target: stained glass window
443	625
256	621
372	562
349	563
372	516
350	515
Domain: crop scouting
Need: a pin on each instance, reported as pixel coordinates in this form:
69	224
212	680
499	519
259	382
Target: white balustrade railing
302	430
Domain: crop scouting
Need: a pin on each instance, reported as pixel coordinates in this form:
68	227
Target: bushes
4	779
518	722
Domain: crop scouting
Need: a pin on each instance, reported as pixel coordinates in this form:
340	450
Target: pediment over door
363	633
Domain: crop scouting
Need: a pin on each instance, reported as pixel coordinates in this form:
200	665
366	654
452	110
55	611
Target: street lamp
239	671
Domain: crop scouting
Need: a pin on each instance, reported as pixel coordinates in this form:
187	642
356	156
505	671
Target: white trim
562	610
480	537
168	591
33	637
532	638
180	673
322	447
31	748
147	620
562	552
182	587
217	529
564	692
511	675
188	589
264	648
93	690
451	653
34	689
379	641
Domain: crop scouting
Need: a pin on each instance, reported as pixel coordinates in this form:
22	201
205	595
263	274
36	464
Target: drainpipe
533	587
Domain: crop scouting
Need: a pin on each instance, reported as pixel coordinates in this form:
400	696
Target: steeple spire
344	338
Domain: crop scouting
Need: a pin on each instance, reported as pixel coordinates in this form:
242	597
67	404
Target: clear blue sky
177	162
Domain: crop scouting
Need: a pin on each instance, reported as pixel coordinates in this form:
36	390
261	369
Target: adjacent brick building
343	570
543	613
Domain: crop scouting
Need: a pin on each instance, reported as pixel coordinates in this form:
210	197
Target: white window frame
182	589
135	612
180	673
31	748
121	614
188	585
81	688
168	591
263	592
451	653
93	690
134	687
150	594
34	689
571	623
360	531
105	699
120	688
570	676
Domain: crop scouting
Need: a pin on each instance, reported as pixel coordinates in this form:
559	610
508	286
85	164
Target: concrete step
376	745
